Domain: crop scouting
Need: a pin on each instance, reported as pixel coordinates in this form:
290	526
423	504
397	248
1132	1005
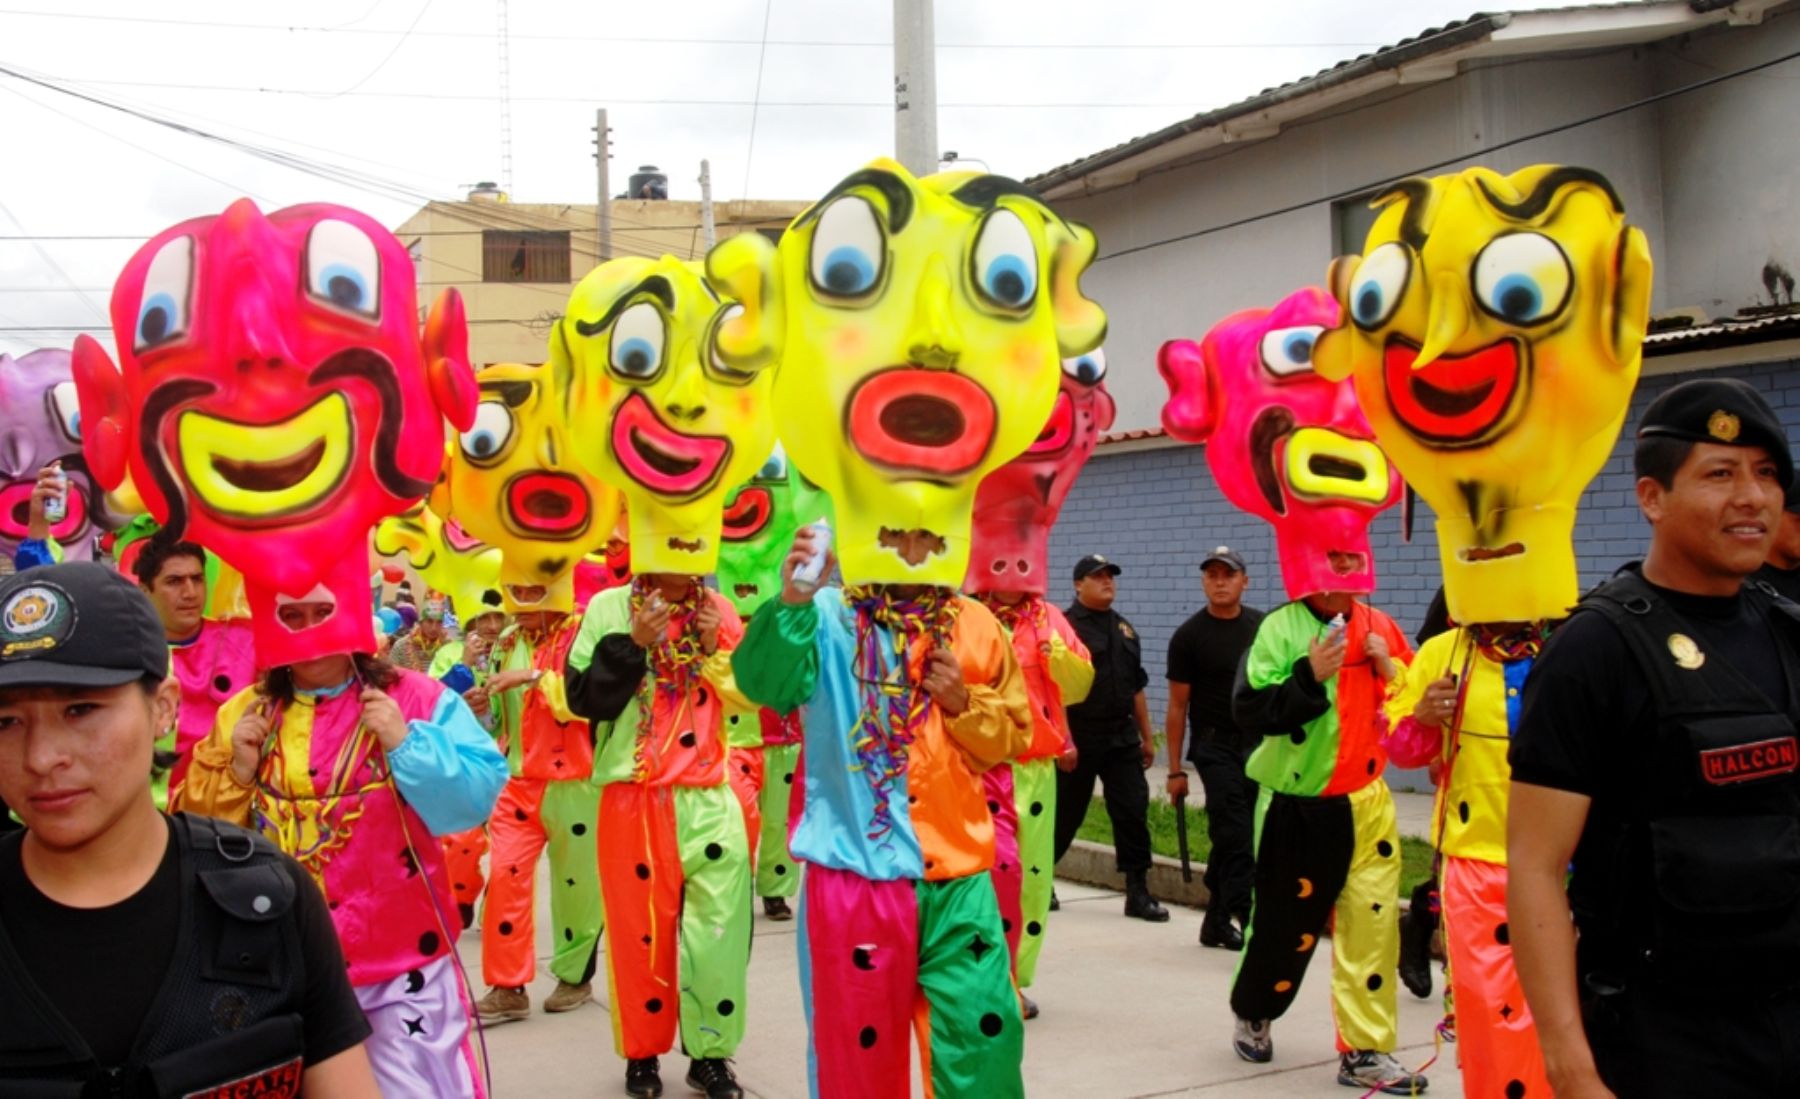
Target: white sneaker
1251	1041
1368	1069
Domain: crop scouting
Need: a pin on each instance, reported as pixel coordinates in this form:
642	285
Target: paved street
1129	1010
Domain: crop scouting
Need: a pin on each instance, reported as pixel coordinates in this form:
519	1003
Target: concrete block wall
1158	512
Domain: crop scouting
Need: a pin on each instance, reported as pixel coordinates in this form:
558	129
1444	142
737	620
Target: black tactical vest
1705	891
226	1021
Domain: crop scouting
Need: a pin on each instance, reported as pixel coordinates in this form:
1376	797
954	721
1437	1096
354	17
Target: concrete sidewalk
1130	1011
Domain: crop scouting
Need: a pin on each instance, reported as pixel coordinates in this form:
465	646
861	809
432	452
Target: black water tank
647	182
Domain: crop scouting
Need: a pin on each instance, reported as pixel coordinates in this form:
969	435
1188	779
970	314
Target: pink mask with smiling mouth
1282	442
1018	503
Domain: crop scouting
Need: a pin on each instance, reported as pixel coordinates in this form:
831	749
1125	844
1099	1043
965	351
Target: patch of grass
1415	853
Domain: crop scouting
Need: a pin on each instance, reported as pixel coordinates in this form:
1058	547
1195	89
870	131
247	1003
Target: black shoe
1027	1006
711	1076
1416	929
1139	904
776	908
1221	933
642	1078
1055	905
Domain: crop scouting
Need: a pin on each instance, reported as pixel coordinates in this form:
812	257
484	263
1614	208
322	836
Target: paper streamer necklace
673	660
893	706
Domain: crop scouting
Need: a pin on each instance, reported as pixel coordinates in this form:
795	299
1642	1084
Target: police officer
1112	735
142	955
1657	747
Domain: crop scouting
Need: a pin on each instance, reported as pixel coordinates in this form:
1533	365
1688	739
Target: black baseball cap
1093	563
1725	411
1225	555
78	624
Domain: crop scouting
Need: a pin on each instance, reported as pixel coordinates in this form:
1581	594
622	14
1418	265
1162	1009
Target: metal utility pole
603	158
707	228
915	86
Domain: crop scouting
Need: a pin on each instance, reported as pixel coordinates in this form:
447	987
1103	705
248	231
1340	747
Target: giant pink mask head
1018	503
1282	442
274	401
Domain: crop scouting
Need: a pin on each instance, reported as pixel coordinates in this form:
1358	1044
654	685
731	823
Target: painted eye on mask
168	286
486	440
1087	369
637	343
1288	351
1006	261
848	250
722	369
1522	278
65	409
775	469
1378	284
343	269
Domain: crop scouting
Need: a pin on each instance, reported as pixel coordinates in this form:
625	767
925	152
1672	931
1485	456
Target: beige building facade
515	263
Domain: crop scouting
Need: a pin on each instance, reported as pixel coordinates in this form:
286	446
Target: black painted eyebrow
513	393
1416	193
1545	190
898	195
654	284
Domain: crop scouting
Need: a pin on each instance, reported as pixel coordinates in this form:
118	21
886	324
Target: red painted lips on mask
548	505
1458	399
747	514
1058	432
930	422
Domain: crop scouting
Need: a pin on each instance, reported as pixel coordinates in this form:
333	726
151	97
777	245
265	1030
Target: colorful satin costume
1327	846
675	867
1497	1041
213	665
364	822
1021	794
549	802
899	921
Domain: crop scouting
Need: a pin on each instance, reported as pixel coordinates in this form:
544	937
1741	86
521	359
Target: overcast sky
404	96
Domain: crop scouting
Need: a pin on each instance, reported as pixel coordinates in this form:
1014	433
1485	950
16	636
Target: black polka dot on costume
1298	736
687	739
1371	765
578	828
991	1024
467	912
1502	935
701	697
726	1007
1384	849
521	816
1037	808
1462	811
1374	982
863	957
866	1039
993	806
643	872
653	1005
568	934
1515	1089
1005	925
1034	928
714	851
428	943
788	778
222	684
505	927
780	868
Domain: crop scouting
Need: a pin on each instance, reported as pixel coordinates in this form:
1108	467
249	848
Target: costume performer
512	481
971	285
1532	290
468	571
1288	446
761	518
42	419
677	423
1015	508
276	402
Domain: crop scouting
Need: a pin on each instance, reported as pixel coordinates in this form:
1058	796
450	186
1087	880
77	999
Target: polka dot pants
532	815
1496	1040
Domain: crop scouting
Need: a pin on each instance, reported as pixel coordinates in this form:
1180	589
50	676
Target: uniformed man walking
1657	747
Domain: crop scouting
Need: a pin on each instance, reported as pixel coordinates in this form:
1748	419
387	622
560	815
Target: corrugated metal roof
1431	41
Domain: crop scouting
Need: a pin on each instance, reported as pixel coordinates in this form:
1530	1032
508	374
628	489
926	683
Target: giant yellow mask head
1494	326
512	481
921	326
464	568
666	417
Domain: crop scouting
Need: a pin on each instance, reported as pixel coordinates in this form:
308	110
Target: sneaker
643	1078
568	997
776	908
711	1076
1220	932
1368	1069
503	1005
1252	1042
1027	1006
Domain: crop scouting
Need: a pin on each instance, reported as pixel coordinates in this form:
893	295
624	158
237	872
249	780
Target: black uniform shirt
1204	654
1785	581
1107	713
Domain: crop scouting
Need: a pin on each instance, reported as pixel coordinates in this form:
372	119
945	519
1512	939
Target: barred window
510	256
